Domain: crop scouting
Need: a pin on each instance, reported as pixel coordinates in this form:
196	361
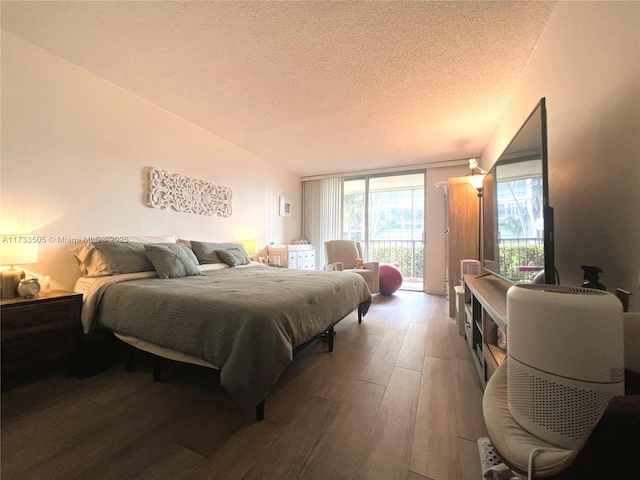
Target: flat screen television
516	217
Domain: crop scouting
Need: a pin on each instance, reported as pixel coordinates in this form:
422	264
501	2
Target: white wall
74	152
435	226
587	65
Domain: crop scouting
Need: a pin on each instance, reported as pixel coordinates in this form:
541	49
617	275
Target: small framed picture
285	207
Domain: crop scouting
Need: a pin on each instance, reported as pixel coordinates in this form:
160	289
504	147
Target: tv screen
517	219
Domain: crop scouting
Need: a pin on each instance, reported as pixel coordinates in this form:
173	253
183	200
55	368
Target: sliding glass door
386	214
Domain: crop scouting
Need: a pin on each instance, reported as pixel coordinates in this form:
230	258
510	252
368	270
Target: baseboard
434	291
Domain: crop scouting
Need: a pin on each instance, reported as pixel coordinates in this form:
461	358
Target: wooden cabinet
485	322
461	231
40	336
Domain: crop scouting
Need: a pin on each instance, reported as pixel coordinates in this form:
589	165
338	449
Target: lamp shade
18	253
476	181
14	254
251	246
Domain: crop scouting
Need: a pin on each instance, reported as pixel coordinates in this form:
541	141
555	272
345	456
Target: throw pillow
171	261
207	252
233	257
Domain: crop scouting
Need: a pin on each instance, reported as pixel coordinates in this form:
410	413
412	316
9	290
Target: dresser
296	257
40	336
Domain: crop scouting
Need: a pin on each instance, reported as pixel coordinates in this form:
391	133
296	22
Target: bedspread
246	322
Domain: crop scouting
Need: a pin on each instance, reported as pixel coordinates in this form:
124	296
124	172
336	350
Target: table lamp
251	246
15	254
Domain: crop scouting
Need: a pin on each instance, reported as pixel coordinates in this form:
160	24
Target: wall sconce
476	176
476	182
14	254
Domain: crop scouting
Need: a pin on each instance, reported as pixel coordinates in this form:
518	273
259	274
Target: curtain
322	214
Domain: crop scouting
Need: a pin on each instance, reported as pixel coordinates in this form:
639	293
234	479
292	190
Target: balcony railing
407	254
521	258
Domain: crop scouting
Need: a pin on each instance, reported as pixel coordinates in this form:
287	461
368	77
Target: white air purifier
565	359
469	267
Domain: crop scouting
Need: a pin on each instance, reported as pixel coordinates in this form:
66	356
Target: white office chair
341	257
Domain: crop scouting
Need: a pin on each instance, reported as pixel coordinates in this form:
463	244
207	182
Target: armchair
341	257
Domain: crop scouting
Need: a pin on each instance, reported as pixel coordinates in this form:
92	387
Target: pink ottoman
390	279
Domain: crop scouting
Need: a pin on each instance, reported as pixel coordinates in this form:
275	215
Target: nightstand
40	336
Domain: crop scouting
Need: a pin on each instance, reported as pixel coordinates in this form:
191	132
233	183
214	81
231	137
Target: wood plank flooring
398	398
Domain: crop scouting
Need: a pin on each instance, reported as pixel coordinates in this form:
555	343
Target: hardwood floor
397	399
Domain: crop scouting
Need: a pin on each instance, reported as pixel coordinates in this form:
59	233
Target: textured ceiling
316	87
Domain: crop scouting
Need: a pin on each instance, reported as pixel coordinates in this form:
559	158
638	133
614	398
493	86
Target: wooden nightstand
40	336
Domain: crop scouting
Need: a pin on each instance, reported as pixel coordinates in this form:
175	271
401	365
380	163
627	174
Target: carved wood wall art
187	195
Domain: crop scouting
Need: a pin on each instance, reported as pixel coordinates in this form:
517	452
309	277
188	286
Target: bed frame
327	336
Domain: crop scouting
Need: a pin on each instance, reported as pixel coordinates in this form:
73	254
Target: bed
246	321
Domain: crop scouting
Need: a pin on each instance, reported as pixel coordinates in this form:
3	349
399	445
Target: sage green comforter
245	321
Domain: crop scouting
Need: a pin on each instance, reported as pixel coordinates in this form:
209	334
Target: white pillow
152	239
90	260
186	243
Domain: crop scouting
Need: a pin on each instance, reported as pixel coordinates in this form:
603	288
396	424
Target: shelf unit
485	312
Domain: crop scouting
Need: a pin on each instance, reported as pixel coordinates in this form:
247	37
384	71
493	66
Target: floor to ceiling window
386	214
